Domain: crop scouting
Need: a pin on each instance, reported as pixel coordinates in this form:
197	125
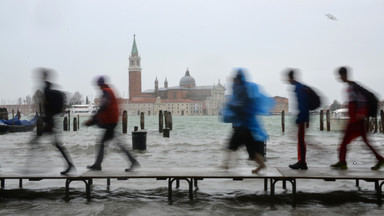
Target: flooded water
195	142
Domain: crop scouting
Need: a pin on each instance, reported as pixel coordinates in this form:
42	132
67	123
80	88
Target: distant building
281	104
185	99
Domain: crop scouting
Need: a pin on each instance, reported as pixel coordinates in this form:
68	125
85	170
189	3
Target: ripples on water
194	142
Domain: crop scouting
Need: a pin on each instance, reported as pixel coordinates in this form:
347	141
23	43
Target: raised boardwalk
193	175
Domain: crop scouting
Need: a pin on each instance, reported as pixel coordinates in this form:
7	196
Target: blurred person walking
247	102
302	118
358	109
53	104
107	118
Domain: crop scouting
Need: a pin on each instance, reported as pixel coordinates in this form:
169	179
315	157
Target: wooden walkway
193	175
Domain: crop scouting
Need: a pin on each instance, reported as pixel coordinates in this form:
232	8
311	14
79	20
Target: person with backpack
107	118
53	105
358	109
302	117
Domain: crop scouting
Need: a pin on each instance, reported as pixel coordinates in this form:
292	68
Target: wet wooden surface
188	172
185	172
330	173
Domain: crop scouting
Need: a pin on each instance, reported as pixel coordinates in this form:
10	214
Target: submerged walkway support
193	175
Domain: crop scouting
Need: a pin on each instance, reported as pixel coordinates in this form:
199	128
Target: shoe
378	165
70	168
225	167
134	165
340	165
255	171
299	165
94	167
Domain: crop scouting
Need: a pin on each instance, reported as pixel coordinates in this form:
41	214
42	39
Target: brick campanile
134	72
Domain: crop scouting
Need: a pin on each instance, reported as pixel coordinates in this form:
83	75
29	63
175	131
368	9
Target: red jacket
109	110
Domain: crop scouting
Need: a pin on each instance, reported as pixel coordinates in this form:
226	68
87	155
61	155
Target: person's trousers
354	130
301	147
108	135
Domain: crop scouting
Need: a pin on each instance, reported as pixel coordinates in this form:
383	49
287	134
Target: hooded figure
246	103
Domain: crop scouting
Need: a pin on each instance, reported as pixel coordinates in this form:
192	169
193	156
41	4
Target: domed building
185	99
187	81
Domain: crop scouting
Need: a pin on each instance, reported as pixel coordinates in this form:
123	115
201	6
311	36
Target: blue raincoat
245	105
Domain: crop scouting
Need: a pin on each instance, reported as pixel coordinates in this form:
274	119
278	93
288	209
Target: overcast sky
82	39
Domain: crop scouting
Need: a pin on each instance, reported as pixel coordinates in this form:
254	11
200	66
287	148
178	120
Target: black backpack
314	101
372	100
55	101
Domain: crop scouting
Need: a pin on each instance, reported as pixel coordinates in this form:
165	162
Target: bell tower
134	72
156	87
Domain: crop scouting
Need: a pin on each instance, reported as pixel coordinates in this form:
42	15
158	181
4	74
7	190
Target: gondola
16	125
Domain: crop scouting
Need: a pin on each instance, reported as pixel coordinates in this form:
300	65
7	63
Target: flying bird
331	17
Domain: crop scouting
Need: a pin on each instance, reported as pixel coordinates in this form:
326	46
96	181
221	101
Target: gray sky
82	39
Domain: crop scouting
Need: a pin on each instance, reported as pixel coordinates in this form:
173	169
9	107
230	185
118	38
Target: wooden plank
327	173
158	173
201	173
162	173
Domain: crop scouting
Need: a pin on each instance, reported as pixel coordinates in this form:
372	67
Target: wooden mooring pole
366	124
169	120
65	124
166	121
283	121
161	121
328	121
69	121
382	120
13	119
166	132
74	124
142	120
125	122
321	120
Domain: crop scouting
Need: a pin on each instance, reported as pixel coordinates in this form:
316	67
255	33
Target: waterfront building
185	99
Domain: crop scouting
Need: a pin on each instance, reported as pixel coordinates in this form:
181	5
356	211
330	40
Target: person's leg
364	135
34	153
66	156
133	161
232	146
380	159
301	147
108	135
351	133
259	159
226	159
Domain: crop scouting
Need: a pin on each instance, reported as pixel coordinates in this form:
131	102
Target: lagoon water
196	142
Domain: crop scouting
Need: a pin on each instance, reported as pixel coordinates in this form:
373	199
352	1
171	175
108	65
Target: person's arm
105	101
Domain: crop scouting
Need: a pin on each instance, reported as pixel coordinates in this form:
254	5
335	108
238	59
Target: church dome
187	81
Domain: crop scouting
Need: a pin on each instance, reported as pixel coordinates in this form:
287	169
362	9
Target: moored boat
17	125
82	109
339	119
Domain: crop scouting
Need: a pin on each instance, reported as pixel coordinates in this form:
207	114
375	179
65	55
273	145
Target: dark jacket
302	103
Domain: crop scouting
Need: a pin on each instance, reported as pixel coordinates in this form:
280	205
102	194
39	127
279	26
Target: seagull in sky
331	17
